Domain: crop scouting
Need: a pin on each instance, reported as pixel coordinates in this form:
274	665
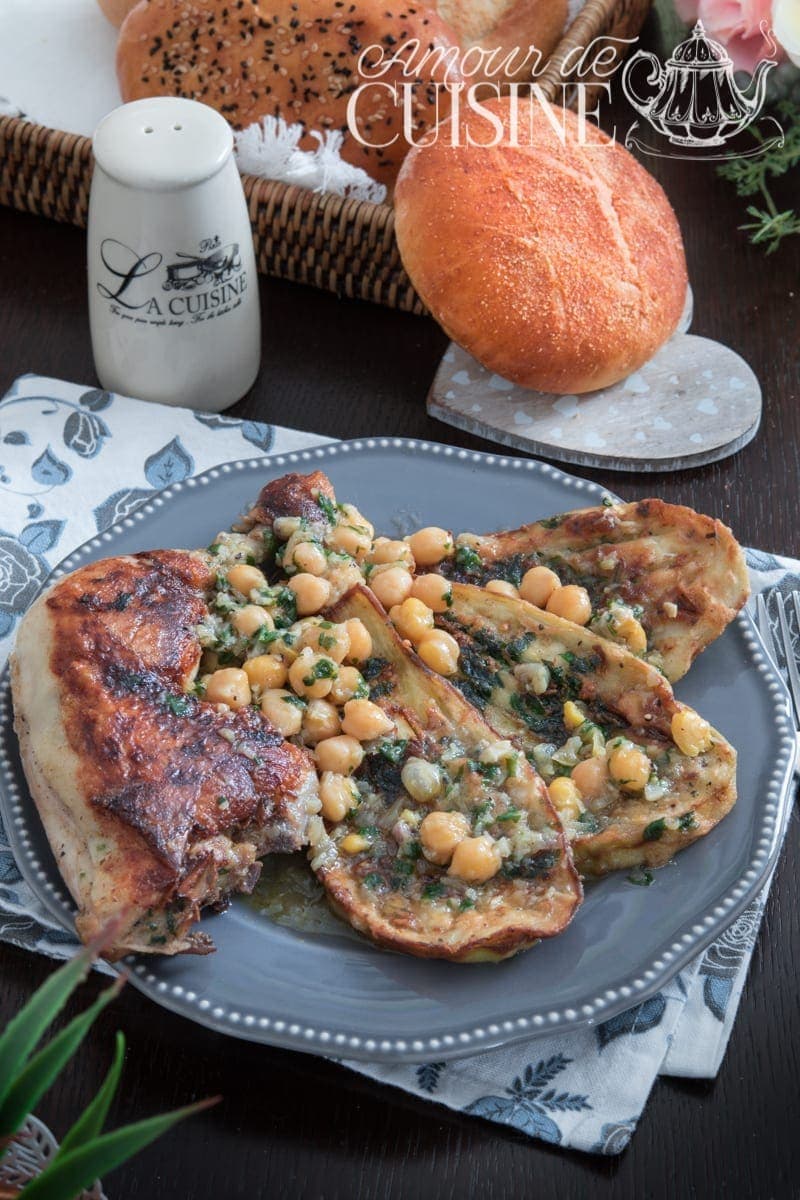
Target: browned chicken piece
155	802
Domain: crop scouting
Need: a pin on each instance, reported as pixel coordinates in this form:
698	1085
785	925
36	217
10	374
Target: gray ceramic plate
334	993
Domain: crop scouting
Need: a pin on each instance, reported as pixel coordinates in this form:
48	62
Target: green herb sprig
751	176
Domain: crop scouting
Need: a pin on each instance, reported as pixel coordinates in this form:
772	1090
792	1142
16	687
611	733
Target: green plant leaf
67	1175
91	1121
24	1031
42	1070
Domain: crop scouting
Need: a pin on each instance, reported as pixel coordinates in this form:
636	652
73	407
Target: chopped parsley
214	548
373	880
654	830
589	822
326	641
467	902
468	559
328	507
297	701
687	822
393	750
223	802
179	705
511	814
432	891
324	668
641	877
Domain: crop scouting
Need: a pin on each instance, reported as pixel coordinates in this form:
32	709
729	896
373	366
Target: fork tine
788	651
765	629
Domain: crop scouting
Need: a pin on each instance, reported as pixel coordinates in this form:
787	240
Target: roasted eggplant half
634	774
449	846
661	579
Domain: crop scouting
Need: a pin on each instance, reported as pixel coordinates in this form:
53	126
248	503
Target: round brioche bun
558	266
296	59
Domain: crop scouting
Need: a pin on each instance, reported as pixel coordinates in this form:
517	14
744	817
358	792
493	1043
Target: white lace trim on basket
269	148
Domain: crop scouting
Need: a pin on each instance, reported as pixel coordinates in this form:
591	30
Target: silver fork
790	654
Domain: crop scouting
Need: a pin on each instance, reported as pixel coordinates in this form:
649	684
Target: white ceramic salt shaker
173	293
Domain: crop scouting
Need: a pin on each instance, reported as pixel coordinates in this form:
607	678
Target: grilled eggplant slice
155	802
682	575
570	700
373	863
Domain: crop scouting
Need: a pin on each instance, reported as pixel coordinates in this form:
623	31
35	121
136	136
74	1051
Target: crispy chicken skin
292	495
155	802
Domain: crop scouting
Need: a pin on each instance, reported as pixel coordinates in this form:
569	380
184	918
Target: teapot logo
695	102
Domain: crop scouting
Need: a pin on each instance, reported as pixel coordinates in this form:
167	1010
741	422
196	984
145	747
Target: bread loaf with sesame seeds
116	10
558	264
296	59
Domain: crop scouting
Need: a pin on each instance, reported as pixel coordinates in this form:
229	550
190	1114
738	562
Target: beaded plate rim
45	882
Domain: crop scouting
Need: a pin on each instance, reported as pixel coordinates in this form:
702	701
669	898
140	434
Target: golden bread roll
296	59
116	10
510	28
558	266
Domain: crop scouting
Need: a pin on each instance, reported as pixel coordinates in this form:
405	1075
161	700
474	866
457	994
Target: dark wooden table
291	1125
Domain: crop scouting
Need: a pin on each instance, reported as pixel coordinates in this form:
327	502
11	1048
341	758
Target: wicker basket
343	246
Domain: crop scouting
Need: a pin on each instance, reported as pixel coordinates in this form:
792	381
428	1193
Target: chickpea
350	684
439	651
533	677
501	587
352	516
250	619
430	545
573	716
440	833
284	527
265	671
320	721
310	592
572	603
690	733
433	590
384	550
349	539
282	711
629	767
342	754
538	585
343	574
414	619
360	641
475	859
421	779
244	578
311	675
229	686
365	720
354	843
632	633
327	638
310	558
391	586
591	776
566	798
338	795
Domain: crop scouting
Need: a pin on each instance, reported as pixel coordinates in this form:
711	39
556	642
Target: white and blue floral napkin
72	461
